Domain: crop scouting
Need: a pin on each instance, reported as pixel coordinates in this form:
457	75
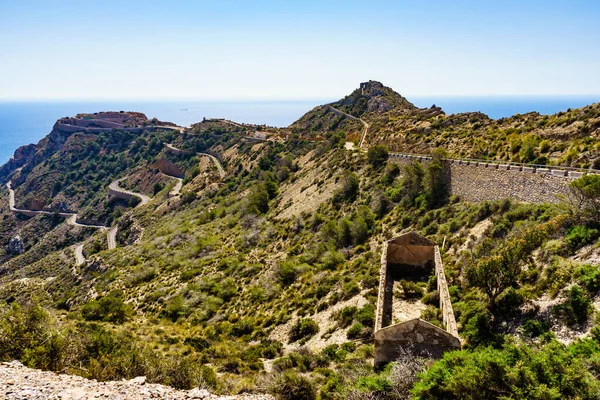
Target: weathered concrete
445	301
407	254
416	336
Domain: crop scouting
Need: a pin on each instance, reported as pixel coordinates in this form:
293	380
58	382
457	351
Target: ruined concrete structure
406	255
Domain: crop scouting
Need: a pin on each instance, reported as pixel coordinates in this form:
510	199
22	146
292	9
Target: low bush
110	308
589	277
577	308
304	328
411	290
578	236
292	386
355	331
523	372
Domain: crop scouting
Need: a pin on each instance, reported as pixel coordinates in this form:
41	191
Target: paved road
71	219
217	163
213	158
177	188
115	186
111	238
79	258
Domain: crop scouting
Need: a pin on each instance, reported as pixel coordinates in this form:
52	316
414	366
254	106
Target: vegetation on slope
267	281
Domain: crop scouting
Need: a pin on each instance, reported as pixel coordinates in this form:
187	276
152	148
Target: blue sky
234	49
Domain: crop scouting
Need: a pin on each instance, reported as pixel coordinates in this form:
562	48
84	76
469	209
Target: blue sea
27	122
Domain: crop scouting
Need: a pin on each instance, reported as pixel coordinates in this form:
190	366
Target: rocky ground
21	383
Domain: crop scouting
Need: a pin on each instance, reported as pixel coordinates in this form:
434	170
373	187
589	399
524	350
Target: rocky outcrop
15	245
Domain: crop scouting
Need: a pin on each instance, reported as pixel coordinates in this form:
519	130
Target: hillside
567	138
251	263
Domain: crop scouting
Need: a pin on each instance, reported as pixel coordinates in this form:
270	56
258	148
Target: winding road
71	219
114	186
111	237
79	258
214	159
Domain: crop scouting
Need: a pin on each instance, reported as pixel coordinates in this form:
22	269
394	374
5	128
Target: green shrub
292	386
589	277
287	273
350	290
377	384
577	307
355	331
349	190
377	155
303	329
110	308
258	201
366	315
345	316
533	328
513	372
411	290
578	236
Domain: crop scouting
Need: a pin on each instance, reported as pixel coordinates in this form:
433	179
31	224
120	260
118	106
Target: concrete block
530	170
504	166
559	172
542	170
576	174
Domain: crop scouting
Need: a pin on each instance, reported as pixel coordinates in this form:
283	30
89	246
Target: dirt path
365	124
21	383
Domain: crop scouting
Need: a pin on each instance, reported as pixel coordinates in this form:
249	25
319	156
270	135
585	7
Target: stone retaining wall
168	168
478	181
120	194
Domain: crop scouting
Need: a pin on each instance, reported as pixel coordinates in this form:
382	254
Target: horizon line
269	99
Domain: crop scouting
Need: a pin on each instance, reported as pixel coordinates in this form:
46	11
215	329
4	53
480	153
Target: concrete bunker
411	256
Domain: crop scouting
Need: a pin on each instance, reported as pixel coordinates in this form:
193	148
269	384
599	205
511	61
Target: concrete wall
383	285
168	168
478	181
415	336
120	195
445	301
72	129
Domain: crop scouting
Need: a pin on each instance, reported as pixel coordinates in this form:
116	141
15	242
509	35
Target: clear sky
244	49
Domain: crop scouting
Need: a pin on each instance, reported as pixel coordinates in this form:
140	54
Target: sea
25	122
